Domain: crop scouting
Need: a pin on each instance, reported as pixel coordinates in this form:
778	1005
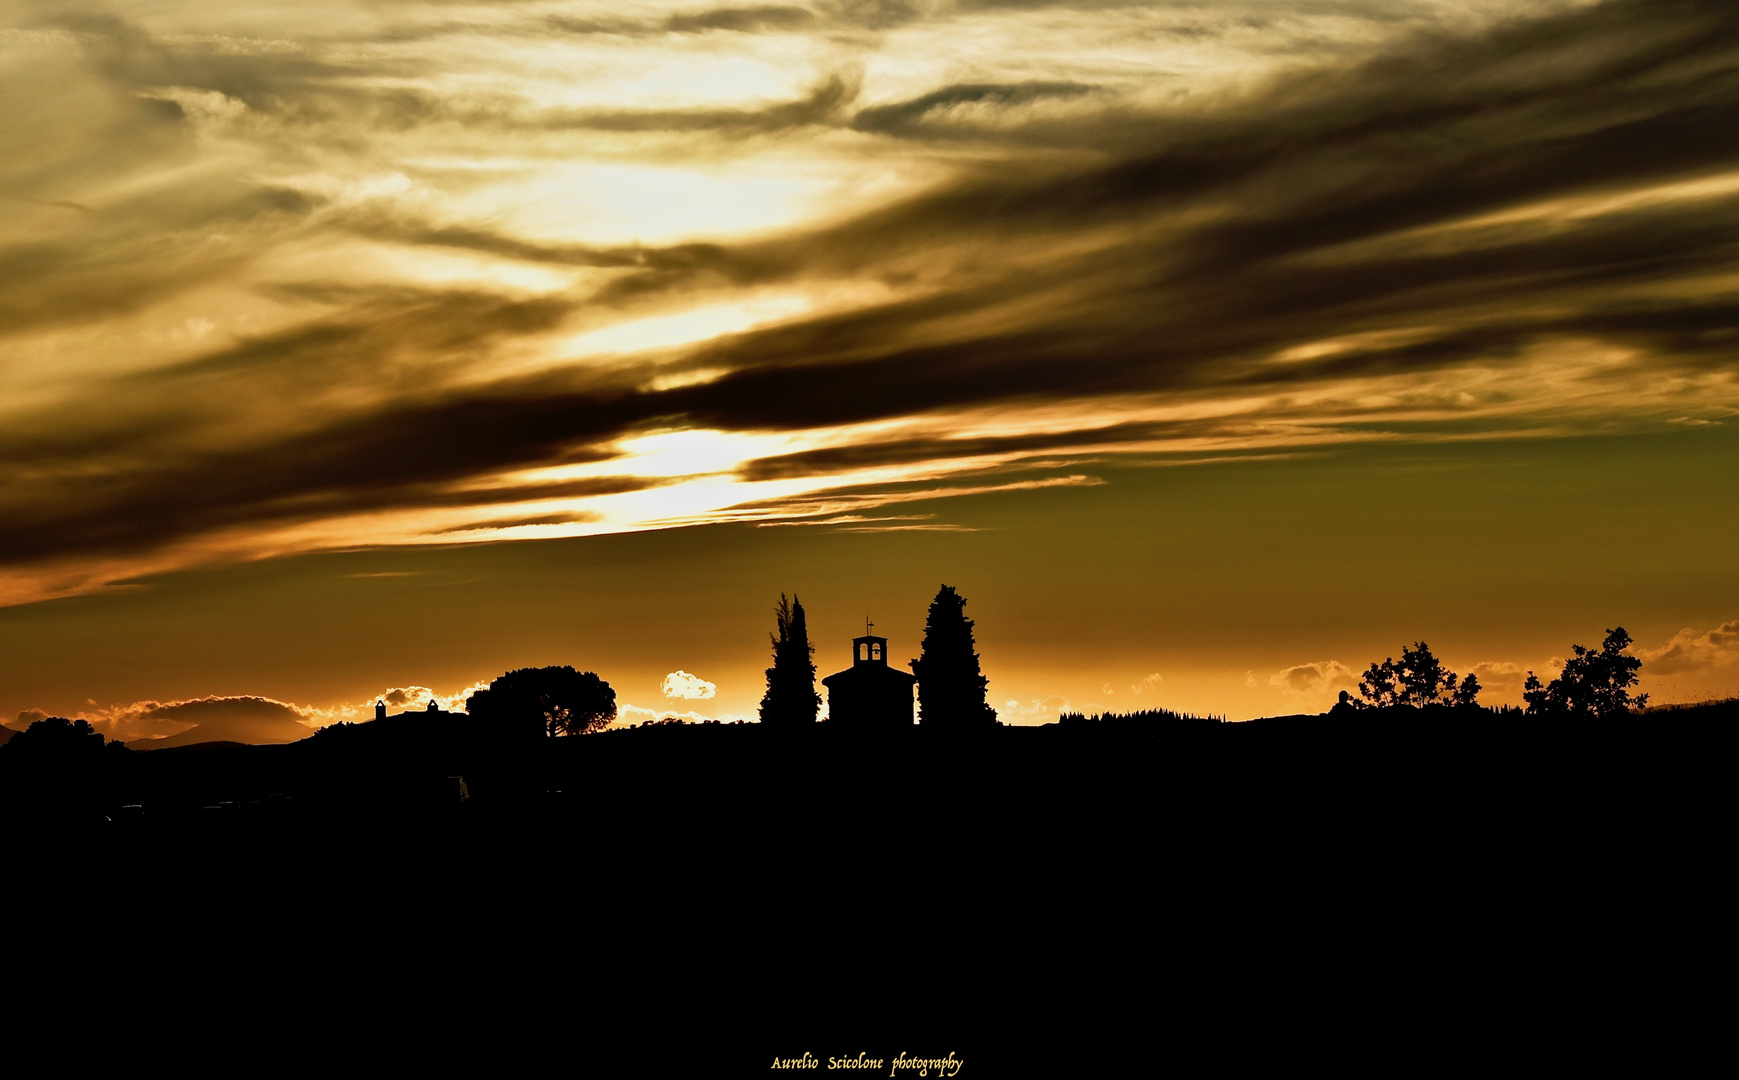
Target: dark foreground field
1326	887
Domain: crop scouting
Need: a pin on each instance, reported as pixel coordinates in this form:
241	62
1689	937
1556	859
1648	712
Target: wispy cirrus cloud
446	275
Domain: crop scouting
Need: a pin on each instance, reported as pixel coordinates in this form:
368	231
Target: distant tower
869	694
433	707
380	710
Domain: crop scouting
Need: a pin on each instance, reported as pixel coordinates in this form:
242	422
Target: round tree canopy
548	700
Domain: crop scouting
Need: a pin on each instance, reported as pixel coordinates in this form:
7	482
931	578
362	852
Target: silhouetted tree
950	687
1468	692
59	764
1419	679
58	738
1594	681
790	698
1423	678
546	701
1377	686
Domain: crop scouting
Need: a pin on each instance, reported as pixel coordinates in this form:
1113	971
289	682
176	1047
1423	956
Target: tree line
1593	682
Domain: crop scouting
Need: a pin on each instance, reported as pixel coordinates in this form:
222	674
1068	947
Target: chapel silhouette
869	694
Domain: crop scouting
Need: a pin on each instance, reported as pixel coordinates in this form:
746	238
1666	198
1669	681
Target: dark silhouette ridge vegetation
1139	722
1594	682
388	756
478	834
1140	837
1713	703
790	699
1072	819
57	737
546	701
951	686
62	765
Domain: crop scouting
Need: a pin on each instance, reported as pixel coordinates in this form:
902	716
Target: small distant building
430	712
869	694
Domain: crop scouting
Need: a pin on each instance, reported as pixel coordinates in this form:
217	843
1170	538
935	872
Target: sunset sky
1211	350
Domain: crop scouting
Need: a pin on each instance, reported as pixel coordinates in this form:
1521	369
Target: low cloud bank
1038	710
1501	681
1313	684
243	718
1691	651
218	718
629	715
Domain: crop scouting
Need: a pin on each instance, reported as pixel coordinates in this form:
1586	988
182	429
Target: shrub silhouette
1594	682
790	699
546	701
950	687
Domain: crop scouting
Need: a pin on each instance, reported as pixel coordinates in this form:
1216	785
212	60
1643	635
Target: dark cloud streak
824	102
907	117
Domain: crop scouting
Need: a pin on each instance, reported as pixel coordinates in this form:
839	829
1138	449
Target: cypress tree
950	687
790	699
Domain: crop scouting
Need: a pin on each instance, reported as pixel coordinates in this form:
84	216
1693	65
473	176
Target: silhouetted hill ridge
1103	773
152	746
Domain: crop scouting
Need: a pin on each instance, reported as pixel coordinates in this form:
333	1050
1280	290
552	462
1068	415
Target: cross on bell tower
869	649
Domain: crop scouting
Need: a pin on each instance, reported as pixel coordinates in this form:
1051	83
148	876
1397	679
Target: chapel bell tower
869	650
869	694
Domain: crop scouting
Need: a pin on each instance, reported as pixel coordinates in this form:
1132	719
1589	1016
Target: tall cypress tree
950	687
790	699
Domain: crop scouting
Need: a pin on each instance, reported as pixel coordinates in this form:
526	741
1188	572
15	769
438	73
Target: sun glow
613	204
684	327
